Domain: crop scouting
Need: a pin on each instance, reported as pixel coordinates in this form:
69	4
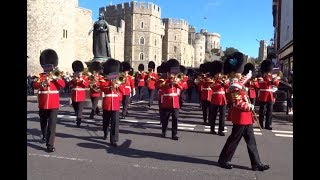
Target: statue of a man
101	40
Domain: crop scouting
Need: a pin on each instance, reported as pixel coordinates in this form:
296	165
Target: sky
239	22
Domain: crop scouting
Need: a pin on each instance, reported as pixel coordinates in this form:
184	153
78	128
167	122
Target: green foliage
227	52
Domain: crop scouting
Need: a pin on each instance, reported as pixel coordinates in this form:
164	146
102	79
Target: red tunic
151	80
169	98
111	97
48	97
78	93
266	90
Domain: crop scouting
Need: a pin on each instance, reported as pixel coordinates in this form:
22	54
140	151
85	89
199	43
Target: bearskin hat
201	68
131	72
234	63
171	63
111	66
206	67
141	67
183	69
190	72
151	65
49	56
77	66
216	67
125	66
266	66
96	66
248	67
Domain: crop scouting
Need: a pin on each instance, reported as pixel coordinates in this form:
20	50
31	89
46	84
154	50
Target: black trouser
95	109
165	115
140	91
189	91
48	121
268	114
182	97
114	117
160	113
125	102
78	108
233	140
253	101
213	114
205	105
151	93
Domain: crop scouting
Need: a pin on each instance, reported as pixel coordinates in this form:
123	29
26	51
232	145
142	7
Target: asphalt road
82	154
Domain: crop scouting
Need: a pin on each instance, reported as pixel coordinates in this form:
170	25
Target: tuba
92	83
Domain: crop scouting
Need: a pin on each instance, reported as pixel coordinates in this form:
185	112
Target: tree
228	51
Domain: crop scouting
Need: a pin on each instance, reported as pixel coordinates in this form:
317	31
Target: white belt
205	89
171	94
219	92
269	90
141	80
79	89
111	95
128	87
48	92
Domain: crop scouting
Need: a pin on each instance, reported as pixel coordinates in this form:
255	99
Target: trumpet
179	77
86	72
120	79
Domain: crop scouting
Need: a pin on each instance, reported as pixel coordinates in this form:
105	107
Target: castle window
184	50
200	54
141	56
155	57
175	49
155	42
141	25
65	33
141	40
175	37
200	47
214	44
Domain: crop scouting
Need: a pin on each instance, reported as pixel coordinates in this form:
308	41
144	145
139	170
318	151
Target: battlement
133	7
213	34
172	23
199	36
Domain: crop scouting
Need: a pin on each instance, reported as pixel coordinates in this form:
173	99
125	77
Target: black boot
50	149
97	111
163	134
91	114
175	137
225	165
78	122
260	167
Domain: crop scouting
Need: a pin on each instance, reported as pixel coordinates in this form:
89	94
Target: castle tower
212	41
143	31
199	49
192	32
175	41
66	32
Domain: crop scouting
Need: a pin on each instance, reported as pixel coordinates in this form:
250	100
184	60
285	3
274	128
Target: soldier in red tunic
184	84
94	84
48	86
205	92
241	116
78	96
252	85
140	76
128	87
150	80
218	99
111	100
169	98
266	88
162	76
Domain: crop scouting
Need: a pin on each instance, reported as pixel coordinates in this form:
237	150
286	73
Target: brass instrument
162	82
179	77
54	74
92	83
197	80
120	79
86	72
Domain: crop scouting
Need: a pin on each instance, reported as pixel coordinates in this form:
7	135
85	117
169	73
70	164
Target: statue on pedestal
101	41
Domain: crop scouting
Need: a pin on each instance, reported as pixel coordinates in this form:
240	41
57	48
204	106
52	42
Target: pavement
142	154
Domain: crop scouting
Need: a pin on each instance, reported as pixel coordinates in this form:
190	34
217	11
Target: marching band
230	86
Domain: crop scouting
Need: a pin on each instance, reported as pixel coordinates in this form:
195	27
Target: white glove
249	73
54	77
133	93
252	106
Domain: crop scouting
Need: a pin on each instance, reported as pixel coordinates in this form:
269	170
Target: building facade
282	11
66	32
263	50
144	31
